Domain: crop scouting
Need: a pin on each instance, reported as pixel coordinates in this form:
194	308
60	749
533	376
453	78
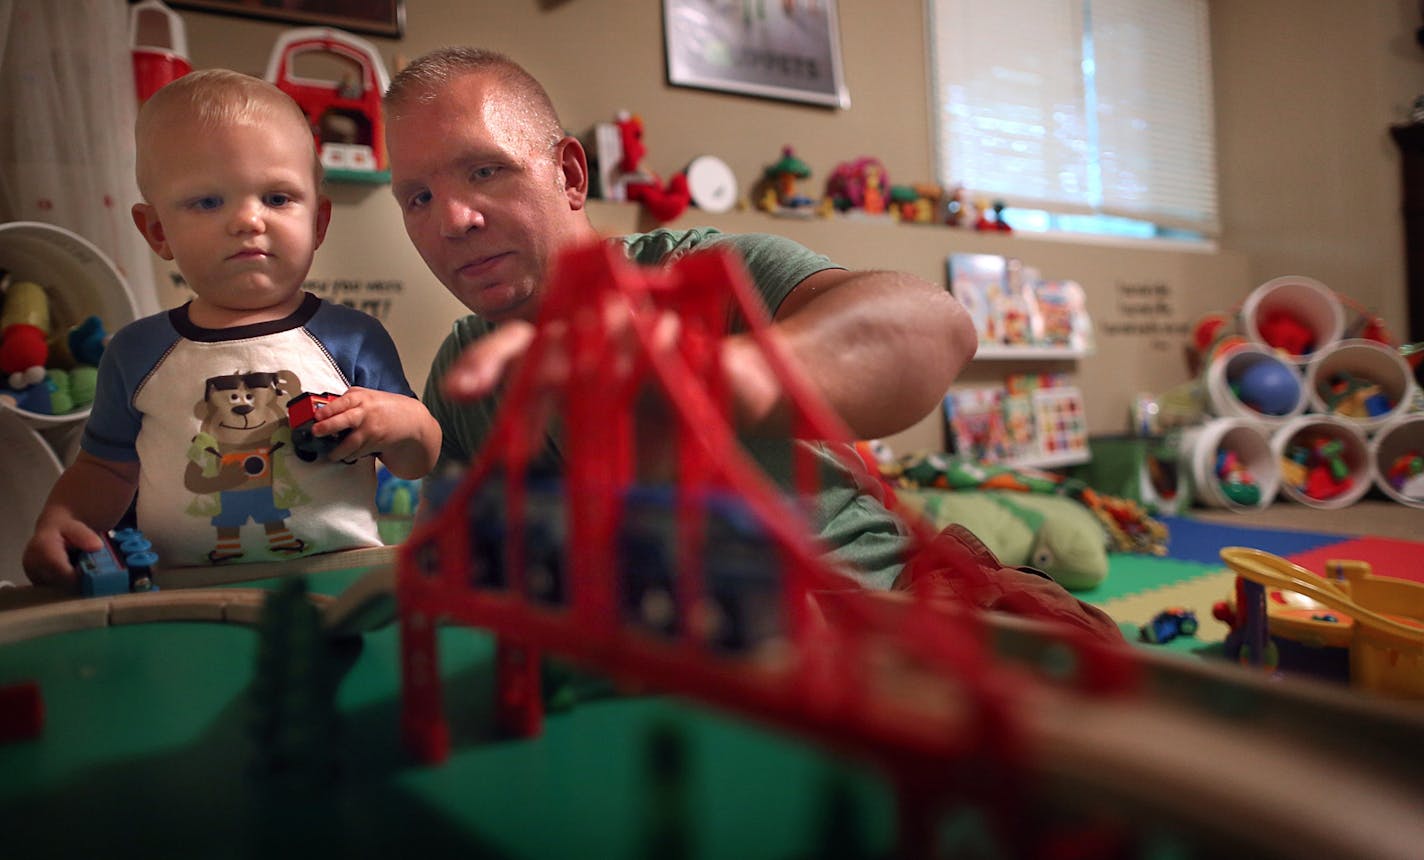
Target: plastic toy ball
1269	387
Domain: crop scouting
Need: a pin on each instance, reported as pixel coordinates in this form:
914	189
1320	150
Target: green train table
149	747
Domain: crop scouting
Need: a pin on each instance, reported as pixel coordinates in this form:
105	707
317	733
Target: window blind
1078	106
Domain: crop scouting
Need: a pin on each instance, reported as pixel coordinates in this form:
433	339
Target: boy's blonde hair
214	99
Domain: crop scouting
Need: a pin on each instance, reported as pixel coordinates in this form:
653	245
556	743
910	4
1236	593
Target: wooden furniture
1410	139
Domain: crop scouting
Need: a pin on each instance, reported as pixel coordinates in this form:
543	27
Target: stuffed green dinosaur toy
1025	516
1055	534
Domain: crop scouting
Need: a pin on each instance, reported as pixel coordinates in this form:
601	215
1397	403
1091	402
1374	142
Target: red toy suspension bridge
710	586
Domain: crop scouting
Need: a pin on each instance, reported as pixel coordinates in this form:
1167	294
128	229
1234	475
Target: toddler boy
190	408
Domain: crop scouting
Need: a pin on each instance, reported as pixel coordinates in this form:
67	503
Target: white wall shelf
999	352
1050	461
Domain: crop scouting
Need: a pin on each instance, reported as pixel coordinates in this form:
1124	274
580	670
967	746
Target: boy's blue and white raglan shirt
204	413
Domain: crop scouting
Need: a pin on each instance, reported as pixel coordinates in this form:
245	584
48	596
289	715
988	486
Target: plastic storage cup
79	280
1248	443
1353	456
1392	450
1363	364
1309	302
1259	364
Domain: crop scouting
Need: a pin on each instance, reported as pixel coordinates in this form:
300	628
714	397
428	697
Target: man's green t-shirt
866	538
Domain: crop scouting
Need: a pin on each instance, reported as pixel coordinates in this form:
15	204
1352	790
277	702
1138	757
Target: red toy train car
303	414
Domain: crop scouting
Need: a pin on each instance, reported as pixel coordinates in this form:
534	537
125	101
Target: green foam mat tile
1130	574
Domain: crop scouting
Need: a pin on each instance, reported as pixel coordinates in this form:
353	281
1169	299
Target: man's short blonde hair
212	100
419	83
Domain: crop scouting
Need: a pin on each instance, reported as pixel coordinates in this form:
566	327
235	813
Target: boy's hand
46	556
398	429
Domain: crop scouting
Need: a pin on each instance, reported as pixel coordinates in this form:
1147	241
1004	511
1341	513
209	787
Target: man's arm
87	499
881	347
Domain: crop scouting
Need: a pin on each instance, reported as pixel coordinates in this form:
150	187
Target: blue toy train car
545	535
741	565
124	563
741	569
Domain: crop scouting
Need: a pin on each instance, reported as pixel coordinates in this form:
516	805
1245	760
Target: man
491	189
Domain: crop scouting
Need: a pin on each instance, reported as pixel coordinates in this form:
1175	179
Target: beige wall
1306	90
1305	93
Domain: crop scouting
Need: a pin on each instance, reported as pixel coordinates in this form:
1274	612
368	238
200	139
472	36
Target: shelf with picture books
1017	312
1031	420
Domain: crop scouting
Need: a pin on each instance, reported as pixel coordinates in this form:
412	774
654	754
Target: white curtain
67	107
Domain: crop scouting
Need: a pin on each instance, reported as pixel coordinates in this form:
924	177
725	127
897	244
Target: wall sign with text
374	296
1146	310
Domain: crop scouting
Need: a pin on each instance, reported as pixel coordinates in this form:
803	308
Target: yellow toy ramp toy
1387	634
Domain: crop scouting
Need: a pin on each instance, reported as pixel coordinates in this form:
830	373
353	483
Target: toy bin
1364	382
1295	314
1397	455
1231	464
29	471
160	47
78	280
1253	381
1324	461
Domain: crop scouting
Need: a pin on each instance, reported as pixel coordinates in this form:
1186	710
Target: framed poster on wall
779	49
376	17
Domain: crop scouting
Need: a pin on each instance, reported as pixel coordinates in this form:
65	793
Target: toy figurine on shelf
876	190
904	203
859	184
778	193
1000	223
983	221
991	217
929	197
663	202
958	211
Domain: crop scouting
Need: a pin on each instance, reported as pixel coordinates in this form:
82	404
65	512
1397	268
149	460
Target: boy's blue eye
277	199
417	200
207	203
